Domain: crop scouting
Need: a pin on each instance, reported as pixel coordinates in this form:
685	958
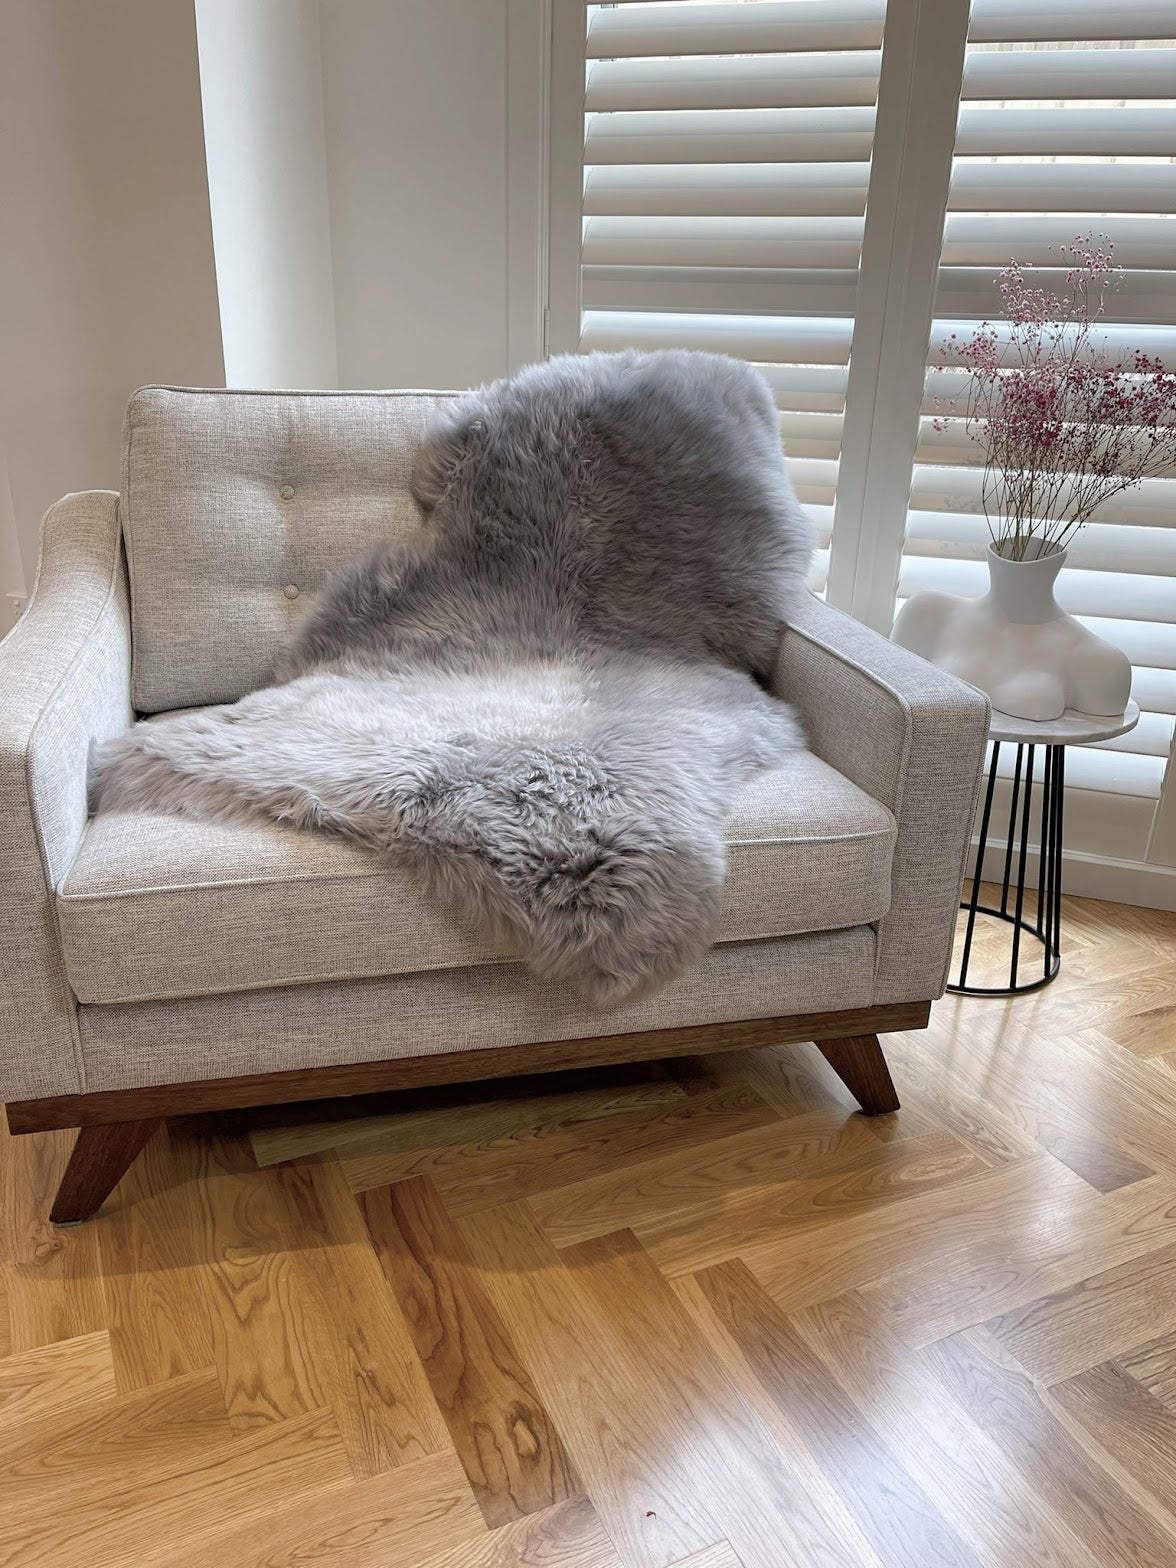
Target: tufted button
287	492
291	590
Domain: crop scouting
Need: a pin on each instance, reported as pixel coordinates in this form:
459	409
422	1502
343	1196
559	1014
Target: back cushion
236	506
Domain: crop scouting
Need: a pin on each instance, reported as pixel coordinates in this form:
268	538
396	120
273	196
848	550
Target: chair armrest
64	683
913	737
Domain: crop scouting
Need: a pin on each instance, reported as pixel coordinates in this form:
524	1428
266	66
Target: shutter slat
722	189
1022	21
1112	338
1063	187
1109	772
1143	642
714	290
814	479
723	242
740	82
973	292
1099	546
811	435
1086	132
1154	690
730	136
953	448
1140	242
946	488
1151	737
1071	73
810	340
627	31
816	387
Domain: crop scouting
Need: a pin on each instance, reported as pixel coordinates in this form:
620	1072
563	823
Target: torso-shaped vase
1018	644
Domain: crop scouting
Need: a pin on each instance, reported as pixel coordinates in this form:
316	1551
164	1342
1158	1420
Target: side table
1072	729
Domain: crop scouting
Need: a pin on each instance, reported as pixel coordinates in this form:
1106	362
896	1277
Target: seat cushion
156	907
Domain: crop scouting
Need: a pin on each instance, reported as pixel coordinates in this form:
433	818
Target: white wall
106	266
261	88
415	104
377	172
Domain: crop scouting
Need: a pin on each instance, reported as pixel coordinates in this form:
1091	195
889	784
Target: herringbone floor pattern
697	1313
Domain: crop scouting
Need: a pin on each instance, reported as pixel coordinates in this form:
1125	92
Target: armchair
151	966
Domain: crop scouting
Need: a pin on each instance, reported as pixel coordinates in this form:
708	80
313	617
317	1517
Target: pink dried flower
1063	424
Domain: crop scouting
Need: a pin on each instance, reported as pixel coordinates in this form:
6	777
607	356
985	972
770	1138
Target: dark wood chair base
101	1157
116	1123
859	1063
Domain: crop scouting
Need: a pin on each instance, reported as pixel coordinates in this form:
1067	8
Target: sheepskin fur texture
543	702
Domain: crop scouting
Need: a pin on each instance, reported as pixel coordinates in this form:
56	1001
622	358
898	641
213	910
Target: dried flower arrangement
1063	422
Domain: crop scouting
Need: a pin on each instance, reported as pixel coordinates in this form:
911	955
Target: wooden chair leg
101	1156
859	1063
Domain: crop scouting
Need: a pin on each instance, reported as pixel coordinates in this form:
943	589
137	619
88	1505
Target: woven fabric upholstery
454	1010
64	682
150	908
236	506
157	907
912	736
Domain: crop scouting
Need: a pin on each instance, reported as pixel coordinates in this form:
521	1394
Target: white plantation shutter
726	162
747	176
1067	125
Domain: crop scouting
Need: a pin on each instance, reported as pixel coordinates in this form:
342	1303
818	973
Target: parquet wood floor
694	1313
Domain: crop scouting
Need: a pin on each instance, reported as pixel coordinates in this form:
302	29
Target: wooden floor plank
895	1515
425	1125
1034	1253
765	1514
156	1511
1004	1403
626	1435
566	1536
513	1456
977	1489
718	1556
484	1175
721	1555
709	1232
258	1303
94	1443
413	1515
1071	1103
971	1116
798	1270
1153	1365
53	1276
61	1376
156	1303
705	1177
1091	1321
5	1321
368	1368
1128	1423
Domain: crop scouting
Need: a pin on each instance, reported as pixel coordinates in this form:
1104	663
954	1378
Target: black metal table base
1028	969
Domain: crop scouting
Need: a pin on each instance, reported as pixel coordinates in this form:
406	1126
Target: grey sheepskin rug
543	702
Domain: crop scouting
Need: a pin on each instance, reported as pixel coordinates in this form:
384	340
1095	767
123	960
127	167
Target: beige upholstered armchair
151	966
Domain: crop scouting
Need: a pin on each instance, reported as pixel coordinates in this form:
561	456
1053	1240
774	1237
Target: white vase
1017	643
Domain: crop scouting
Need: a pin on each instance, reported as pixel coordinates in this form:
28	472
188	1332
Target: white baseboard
1097	876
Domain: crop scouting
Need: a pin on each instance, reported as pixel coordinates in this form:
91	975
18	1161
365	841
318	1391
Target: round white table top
1072	729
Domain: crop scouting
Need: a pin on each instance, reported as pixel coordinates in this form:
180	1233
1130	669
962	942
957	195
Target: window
761	178
726	153
1060	136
